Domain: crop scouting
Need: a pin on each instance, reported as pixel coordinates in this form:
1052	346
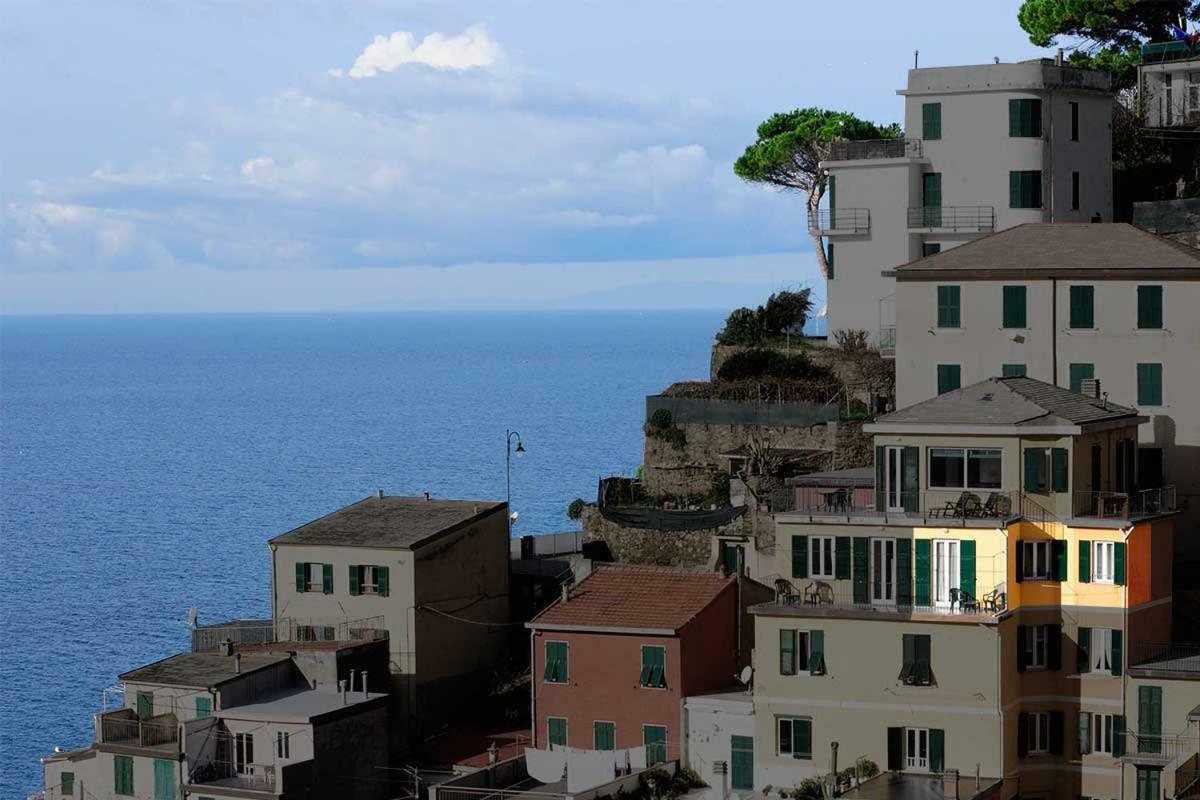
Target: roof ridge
1187	250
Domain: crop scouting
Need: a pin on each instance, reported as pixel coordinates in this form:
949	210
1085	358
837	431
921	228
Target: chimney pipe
833	748
342	690
237	663
352	679
364	684
1058	59
566	593
426	495
379	493
225	648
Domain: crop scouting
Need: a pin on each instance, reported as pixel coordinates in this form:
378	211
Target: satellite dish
193	615
746	674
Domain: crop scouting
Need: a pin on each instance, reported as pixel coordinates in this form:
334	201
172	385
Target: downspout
1054	330
532	690
1049	145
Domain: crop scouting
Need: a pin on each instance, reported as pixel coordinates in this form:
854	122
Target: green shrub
743	326
575	509
763	363
786	311
661	419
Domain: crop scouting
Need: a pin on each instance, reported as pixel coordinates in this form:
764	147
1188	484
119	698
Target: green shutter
1150	307
949	377
66	784
816	652
880	462
895	749
1118	735
922	572
203	707
1012	370
1083	660
1025	117
861	547
164	779
301	577
327	578
802	738
829	259
937	750
1079	373
1058	472
930	249
1083	307
1014	189
1085	561
383	579
1025	189
908	656
787	651
1054	647
355	575
842	558
966	567
654	737
1057	724
654	666
145	705
1149	384
931	120
1014	117
1117	655
910	478
604	736
741	762
557	730
1014	307
1085	732
799	556
1022	647
123	775
1149	719
1034	459
1019	571
1119	563
1058	560
949	308
904	573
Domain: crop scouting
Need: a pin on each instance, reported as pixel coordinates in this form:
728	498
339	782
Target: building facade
1169	76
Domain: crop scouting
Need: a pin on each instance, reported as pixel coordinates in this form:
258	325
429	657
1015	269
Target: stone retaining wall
659	548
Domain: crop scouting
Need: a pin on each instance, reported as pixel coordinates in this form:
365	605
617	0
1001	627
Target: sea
146	460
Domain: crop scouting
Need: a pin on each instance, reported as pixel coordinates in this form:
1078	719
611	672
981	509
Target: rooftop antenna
916	59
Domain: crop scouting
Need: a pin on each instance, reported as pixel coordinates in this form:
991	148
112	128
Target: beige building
986	147
1162	702
1169	76
1109	308
431	573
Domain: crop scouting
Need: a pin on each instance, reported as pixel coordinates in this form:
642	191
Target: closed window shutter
895	749
1083	640
1116	655
908	651
937	750
1012	370
861	547
1020	559
799	556
1078	373
1033	464
842	558
1057	721
904	573
301	577
787	652
1022	733
966	567
1022	647
1150	307
910	478
1085	732
1058	470
816	652
922	572
1118	735
1058	558
1082	307
829	259
1149	384
1014	306
327	578
383	579
924	659
1014	117
1119	563
1014	189
949	377
949	306
1054	647
1085	561
355	575
879	473
931	121
802	738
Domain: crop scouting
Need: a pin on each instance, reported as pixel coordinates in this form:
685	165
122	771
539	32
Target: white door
894	476
945	570
883	571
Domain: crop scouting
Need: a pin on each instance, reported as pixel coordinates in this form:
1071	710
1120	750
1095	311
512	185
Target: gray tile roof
401	522
1043	250
1010	401
199	670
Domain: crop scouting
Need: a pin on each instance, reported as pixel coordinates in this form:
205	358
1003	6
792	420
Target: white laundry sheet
545	766
637	758
587	769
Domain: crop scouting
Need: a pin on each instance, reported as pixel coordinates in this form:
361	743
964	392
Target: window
952	468
1099	732
1149	779
821	559
1046	469
949	306
1074	121
916	748
1080	373
1083	306
1037	732
794	737
1039	647
654	737
556	731
949	377
1012	370
930	249
1036	559
829	259
1025	188
793	651
243	752
604	735
654	666
164	779
66	784
931	120
917	666
557	663
1074	191
283	745
369	579
203	707
1103	556
1193	91
314	578
1025	117
123	775
1101	649
1169	80
1150	307
1014	306
1150	384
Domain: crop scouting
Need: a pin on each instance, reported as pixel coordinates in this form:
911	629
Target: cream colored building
1162	702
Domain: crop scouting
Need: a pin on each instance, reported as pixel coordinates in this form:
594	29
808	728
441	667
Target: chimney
426	495
225	648
833	748
364	684
566	593
342	690
1058	59
352	679
379	493
237	663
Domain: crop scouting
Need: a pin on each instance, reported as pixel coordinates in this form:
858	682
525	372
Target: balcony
206	638
882	595
874	148
123	728
887	340
1164	52
972	508
216	775
1158	749
832	221
954	219
1123	506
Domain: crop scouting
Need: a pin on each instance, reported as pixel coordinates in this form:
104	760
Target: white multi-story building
985	148
1170	80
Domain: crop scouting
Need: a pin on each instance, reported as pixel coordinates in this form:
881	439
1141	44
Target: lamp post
508	451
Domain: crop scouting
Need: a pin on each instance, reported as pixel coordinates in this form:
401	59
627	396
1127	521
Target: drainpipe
1054	330
532	691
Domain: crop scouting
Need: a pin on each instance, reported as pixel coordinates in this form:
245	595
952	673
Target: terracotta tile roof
631	596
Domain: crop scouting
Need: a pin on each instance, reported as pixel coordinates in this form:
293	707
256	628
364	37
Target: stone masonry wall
659	548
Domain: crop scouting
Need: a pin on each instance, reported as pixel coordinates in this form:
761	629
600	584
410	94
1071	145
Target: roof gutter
541	626
973	430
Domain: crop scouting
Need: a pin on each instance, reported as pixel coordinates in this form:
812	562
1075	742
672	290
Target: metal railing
225	774
887	340
1187	774
1165	656
1159	748
955	218
874	148
840	220
1123	505
941	505
124	727
289	629
884	594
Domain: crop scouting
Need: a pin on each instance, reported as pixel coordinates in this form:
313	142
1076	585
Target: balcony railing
840	220
288	629
1174	657
884	594
887	340
1161	749
874	148
943	506
124	728
1123	505
1186	775
952	218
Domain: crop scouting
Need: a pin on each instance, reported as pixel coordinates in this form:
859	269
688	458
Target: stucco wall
710	721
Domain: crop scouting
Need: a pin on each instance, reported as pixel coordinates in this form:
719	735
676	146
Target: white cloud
471	48
578	218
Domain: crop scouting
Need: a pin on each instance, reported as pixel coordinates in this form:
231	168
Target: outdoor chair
966	602
818	593
837	500
954	508
785	592
972	505
996	506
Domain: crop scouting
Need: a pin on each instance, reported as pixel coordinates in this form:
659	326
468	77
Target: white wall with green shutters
1176	698
711	721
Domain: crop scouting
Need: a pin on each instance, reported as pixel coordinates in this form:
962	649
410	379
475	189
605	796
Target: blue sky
253	155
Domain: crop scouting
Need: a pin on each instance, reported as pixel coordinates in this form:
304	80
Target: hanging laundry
637	758
587	769
545	766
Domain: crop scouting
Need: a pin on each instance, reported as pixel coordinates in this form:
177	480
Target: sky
251	155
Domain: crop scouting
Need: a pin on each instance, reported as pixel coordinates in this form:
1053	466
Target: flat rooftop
394	522
200	670
919	786
300	706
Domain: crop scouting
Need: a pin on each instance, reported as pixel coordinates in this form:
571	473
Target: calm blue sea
145	461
